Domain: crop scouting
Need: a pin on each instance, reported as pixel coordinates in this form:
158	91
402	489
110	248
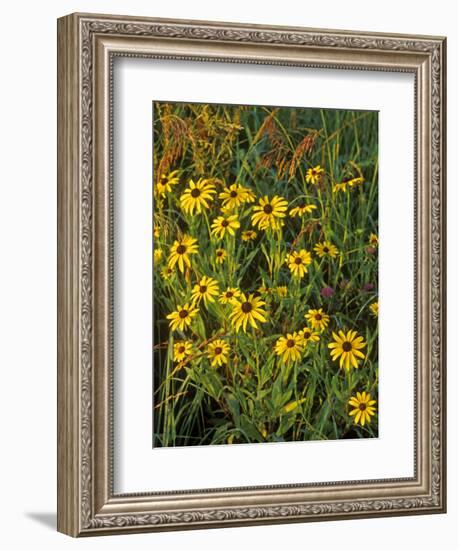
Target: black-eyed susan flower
314	174
346	184
374	309
269	213
197	195
347	347
206	289
223	224
181	350
363	407
165	181
235	195
180	251
247	194
354	182
182	317
302	210
249	235
281	291
373	239
308	335
298	262
247	310
326	249
157	254
218	352
289	347
264	289
317	318
221	255
167	273
229	295
339	187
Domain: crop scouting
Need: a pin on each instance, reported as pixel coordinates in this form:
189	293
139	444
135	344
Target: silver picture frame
87	46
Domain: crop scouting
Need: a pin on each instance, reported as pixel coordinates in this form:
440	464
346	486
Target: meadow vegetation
265	274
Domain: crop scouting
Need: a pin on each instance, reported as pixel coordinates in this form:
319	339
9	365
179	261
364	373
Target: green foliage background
268	150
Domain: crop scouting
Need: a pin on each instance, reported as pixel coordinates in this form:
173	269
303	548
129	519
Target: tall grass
256	396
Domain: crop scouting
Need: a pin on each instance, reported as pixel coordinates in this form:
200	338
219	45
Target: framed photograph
251	281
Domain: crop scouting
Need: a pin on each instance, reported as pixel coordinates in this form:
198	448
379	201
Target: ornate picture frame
87	46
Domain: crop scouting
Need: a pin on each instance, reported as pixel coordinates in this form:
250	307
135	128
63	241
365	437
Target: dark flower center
346	346
195	193
362	406
290	343
246	307
298	261
313	172
164	180
233	194
224	223
218	351
181	249
268	209
306	335
203	289
326	249
318	317
183	313
181	349
229	294
219	253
